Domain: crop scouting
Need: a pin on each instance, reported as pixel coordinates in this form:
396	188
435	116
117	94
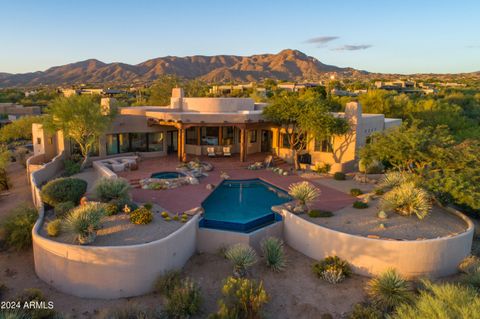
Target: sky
378	36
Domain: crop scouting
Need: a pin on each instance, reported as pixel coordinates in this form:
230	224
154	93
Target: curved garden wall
105	272
431	257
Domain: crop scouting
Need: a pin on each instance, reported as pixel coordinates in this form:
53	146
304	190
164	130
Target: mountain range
289	65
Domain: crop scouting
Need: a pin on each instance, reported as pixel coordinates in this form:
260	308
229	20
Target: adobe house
188	127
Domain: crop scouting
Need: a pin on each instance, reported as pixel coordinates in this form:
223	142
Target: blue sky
378	36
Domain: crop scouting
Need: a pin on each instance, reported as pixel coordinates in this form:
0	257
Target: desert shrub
71	167
83	221
332	269
379	191
166	283
363	311
61	209
395	178
122	202
242	257
130	311
372	167
441	301
148	206
322	168
359	205
184	301
303	192
53	228
107	189
407	199
141	216
339	176
65	189
314	213
472	279
21	155
389	290
469	265
110	209
356	191
17	227
274	253
35	295
241	298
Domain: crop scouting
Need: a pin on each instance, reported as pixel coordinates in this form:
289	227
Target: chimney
353	113
107	103
176	99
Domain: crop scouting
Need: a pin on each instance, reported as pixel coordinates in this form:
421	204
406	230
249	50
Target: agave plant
83	222
407	199
395	178
272	249
107	189
243	257
303	192
389	290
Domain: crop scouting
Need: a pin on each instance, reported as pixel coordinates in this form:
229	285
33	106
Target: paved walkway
189	196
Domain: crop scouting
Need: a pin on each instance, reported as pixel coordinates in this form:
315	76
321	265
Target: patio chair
211	151
227	151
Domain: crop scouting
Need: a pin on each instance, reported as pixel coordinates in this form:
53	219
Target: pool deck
187	197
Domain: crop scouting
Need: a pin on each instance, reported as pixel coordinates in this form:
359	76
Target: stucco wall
432	257
217	105
104	272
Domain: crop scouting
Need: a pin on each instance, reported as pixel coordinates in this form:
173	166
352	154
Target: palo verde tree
303	118
81	118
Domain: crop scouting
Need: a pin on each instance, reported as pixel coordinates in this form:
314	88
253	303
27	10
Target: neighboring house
92	91
10	112
188	126
295	87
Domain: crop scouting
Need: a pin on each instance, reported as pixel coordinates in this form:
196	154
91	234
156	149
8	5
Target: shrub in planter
303	192
332	269
111	209
71	167
184	301
166	283
315	213
242	257
53	228
359	205
123	203
274	254
356	191
61	209
17	227
361	311
141	216
65	189
407	199
389	290
441	301
83	221
241	298
339	176
148	206
107	189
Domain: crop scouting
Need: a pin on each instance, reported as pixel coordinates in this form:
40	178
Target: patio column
182	155
243	145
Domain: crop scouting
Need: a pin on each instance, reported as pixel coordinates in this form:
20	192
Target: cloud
321	40
351	47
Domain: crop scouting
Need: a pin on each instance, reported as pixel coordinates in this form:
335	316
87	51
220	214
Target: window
252	136
323	145
39	140
191	136
285	140
123	143
155	142
227	135
138	142
112	144
210	135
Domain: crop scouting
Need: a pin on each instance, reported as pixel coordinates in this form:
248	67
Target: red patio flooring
187	197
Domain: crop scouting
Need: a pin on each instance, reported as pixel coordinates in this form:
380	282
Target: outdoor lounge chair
211	151
227	151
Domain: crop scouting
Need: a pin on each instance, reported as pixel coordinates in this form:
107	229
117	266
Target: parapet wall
411	258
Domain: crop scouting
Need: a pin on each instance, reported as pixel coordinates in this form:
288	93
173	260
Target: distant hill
289	65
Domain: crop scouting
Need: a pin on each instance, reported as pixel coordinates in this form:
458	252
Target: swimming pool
167	175
242	205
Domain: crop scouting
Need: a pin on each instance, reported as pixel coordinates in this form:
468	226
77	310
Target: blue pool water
167	175
242	205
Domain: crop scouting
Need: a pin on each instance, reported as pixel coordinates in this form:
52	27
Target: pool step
135	183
